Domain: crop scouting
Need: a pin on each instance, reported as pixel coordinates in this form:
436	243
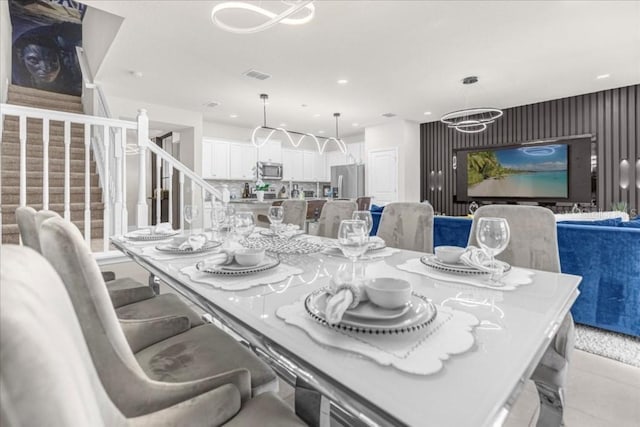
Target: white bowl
249	257
388	292
449	254
178	240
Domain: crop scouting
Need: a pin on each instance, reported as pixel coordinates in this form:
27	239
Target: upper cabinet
242	160
309	172
292	165
215	159
355	153
271	152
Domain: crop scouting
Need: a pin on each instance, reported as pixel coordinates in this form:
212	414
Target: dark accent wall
613	116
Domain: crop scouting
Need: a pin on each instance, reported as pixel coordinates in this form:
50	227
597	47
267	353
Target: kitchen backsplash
236	187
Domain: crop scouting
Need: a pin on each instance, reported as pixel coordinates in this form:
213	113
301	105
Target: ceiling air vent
389	115
254	74
211	104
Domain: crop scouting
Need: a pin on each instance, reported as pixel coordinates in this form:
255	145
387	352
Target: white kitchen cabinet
270	152
292	165
322	173
309	163
355	153
215	159
242	158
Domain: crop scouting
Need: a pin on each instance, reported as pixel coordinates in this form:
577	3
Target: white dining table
475	388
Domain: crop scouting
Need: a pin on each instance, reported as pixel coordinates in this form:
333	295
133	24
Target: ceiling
403	57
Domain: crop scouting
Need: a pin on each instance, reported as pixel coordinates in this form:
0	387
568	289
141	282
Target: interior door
383	175
166	142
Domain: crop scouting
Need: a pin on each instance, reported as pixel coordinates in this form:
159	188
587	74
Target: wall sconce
455	162
638	173
440	180
432	180
625	168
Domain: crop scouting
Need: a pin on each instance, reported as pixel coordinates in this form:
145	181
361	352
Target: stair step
56	179
14	90
55	152
56	127
77	211
12	163
46	104
11	233
11	137
11	195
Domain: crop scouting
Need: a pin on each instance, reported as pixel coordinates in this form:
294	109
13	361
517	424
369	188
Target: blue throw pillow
630	224
376	208
611	222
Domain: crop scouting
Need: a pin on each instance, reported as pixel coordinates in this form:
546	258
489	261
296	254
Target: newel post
142	212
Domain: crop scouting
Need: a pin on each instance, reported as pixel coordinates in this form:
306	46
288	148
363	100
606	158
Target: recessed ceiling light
137	74
355	124
342	81
233	116
316	115
427	113
320	131
603	76
389	115
304	105
283	125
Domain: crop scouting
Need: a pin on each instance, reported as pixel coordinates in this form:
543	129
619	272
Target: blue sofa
606	256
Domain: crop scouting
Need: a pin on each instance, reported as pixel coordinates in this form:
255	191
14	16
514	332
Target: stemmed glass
219	221
352	238
276	215
493	236
244	223
366	217
191	213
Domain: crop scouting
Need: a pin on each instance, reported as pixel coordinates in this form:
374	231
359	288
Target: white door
382	169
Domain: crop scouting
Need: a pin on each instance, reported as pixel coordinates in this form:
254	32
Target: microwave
270	170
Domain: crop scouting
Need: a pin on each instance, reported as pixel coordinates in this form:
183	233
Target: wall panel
613	116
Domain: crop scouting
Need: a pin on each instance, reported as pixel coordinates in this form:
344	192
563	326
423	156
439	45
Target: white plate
235	269
172	249
369	311
143	236
432	262
421	313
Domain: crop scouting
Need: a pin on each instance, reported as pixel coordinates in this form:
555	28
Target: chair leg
311	406
551	406
154	284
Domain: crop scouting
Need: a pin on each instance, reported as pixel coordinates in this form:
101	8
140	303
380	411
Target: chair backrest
534	240
47	376
407	225
26	219
332	213
63	246
364	203
295	212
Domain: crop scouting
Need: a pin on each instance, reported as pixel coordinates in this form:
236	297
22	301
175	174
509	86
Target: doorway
170	142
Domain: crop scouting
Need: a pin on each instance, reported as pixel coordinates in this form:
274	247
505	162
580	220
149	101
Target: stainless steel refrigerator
347	181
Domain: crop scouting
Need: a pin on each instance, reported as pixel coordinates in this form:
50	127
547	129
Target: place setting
472	265
162	231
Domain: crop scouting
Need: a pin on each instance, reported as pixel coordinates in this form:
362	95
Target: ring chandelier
295	143
284	17
471	120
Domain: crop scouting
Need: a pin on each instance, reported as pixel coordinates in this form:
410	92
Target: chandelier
274	18
295	143
471	120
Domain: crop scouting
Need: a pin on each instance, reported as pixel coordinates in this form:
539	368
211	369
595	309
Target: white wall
405	135
5	50
99	29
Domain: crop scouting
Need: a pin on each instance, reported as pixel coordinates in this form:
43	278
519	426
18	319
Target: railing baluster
158	192
181	178
45	164
171	194
106	218
204	194
142	213
87	184
23	160
2	116
117	207
123	180
67	170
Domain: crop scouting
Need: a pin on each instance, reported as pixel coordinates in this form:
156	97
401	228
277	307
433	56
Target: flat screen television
551	171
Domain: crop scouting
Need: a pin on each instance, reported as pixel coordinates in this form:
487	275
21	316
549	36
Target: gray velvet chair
47	376
295	212
333	212
168	349
534	244
407	226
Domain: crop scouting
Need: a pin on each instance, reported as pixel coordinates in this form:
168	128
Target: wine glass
366	217
276	215
352	239
218	220
493	236
244	223
191	213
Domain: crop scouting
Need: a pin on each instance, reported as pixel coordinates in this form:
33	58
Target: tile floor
601	392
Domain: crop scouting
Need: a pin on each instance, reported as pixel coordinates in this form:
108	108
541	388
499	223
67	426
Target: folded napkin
477	258
194	242
163	228
345	296
224	257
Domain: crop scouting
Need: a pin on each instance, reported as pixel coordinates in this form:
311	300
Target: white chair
407	226
333	212
534	244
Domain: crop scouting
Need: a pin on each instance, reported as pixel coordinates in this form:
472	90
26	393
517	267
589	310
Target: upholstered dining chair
168	348
407	226
333	212
534	244
364	203
47	375
295	212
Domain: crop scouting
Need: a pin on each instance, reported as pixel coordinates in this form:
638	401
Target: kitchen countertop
270	201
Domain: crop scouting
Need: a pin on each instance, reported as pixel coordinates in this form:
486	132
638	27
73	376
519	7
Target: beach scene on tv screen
535	171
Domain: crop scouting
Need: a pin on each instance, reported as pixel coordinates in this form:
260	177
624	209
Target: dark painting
45	36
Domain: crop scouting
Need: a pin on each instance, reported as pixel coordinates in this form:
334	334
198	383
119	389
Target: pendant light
471	120
274	18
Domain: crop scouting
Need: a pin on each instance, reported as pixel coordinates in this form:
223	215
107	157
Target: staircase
10	150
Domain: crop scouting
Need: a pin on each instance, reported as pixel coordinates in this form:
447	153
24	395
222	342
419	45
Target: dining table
466	370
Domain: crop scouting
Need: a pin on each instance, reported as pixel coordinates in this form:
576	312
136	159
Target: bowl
449	254
249	257
178	240
388	292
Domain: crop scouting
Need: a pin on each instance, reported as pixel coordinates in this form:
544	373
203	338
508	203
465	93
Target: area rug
623	348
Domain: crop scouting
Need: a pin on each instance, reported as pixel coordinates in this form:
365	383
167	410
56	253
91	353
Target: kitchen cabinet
355	153
271	152
292	165
215	159
242	158
309	166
